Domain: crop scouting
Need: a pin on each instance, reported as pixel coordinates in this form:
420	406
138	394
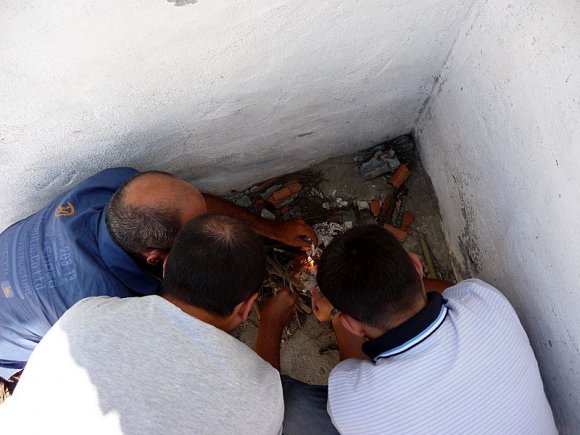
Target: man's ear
242	310
155	256
352	325
416	263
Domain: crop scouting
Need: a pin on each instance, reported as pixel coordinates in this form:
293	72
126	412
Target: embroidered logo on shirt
7	289
65	210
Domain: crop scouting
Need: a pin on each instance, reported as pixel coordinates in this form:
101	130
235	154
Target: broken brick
259	205
408	219
375	207
400	176
386	210
399	234
280	195
286	192
294	187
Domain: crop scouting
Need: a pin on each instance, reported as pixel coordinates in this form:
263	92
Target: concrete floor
309	354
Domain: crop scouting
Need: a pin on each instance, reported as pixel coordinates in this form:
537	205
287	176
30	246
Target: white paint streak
499	139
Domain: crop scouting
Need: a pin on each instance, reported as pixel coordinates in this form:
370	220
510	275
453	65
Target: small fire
310	264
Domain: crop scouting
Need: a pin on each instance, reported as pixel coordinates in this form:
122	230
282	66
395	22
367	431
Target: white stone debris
267	214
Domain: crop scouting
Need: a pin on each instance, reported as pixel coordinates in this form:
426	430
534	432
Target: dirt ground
310	353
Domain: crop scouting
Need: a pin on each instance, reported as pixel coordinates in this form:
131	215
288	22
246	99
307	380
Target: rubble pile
299	195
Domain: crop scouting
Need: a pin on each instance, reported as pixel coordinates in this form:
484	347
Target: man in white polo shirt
452	363
162	364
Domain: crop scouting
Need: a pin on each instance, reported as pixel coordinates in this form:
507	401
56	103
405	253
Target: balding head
147	212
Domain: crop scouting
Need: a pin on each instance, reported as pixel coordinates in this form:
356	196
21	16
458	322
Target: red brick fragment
259	205
385	216
294	187
408	219
400	176
286	192
375	207
280	195
399	234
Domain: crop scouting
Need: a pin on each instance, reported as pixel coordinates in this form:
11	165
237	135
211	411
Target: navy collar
122	265
409	333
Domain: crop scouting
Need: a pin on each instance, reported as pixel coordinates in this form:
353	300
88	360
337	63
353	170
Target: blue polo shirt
58	256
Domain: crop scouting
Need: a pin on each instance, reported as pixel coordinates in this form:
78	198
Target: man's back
476	373
141	365
56	257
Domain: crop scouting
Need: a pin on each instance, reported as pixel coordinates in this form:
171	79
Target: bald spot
166	192
222	228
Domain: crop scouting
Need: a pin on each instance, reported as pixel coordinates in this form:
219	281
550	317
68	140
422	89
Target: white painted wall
500	139
224	93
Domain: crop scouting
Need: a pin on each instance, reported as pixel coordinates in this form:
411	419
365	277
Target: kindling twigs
431	270
276	269
256	310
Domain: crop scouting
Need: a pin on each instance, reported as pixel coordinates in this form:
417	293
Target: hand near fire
296	232
279	310
321	307
276	315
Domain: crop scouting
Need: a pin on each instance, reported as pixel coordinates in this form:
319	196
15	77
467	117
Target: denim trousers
305	408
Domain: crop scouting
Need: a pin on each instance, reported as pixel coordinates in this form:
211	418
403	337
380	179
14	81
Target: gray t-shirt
142	366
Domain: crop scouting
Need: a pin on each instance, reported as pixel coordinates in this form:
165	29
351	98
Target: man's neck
401	318
198	313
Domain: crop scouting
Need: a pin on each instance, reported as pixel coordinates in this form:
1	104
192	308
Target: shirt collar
409	333
122	265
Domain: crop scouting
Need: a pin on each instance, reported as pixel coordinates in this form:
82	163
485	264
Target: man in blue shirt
108	236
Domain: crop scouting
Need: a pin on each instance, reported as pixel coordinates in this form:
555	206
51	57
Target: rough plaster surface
499	138
220	92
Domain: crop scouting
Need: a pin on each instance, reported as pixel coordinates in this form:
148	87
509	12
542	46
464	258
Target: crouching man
162	364
413	362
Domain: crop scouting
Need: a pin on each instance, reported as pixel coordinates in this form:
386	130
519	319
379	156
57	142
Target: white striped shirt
472	371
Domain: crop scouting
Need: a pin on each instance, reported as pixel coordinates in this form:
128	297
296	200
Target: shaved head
148	211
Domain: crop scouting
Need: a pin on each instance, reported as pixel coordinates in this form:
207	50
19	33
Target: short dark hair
216	262
137	228
367	274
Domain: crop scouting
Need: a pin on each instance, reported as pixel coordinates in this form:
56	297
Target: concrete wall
500	139
224	93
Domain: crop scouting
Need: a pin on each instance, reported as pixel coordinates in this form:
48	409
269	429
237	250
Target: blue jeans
305	408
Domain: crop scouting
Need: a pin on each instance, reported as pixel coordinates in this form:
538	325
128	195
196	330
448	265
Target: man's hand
320	306
295	232
277	313
279	310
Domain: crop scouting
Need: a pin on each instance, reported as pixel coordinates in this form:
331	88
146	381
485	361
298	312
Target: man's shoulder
111	178
472	286
476	296
99	307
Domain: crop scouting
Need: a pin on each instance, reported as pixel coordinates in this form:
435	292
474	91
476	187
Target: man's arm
436	285
293	232
276	315
349	345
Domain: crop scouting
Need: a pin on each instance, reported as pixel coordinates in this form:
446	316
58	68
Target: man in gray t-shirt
163	364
